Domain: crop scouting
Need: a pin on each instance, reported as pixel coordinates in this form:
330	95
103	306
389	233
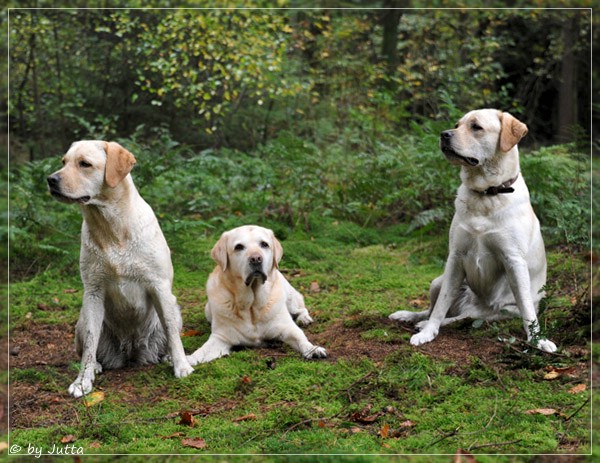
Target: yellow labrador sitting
129	314
496	265
249	300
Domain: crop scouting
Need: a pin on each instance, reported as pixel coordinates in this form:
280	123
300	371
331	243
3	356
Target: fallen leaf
172	436
577	389
554	372
42	306
418	302
70	291
68	439
246	379
195	442
541	411
249	416
314	287
384	431
93	399
469	458
407	424
321	424
190	333
187	419
552	375
95	445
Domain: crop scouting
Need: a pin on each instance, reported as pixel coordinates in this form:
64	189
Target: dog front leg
170	318
520	284
87	334
452	279
211	350
292	335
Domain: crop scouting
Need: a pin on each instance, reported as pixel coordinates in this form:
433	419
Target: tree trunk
567	93
390	20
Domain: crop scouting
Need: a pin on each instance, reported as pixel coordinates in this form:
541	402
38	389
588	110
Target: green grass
402	401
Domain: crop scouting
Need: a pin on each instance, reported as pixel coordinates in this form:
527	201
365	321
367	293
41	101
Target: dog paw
80	387
183	370
315	352
193	360
427	334
403	316
98	368
304	319
546	345
420	326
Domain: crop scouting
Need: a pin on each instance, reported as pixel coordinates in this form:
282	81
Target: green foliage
237	78
559	182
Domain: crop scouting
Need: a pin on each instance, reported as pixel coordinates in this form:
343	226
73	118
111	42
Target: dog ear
513	130
119	163
219	252
277	251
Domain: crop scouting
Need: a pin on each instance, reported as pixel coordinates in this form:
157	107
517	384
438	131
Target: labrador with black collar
496	266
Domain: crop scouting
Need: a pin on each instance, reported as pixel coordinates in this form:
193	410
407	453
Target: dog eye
84	164
476	127
239	247
264	244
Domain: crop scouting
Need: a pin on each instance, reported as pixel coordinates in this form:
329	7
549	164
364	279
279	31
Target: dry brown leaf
187	419
68	439
384	431
249	416
95	445
321	424
577	389
246	379
469	458
173	436
554	372
541	411
195	442
314	287
407	424
70	291
190	333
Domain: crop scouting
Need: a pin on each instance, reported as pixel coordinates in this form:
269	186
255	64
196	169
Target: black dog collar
503	188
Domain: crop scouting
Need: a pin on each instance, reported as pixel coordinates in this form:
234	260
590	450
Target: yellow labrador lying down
496	265
249	300
129	314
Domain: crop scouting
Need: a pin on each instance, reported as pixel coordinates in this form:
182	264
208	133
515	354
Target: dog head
480	135
249	253
89	169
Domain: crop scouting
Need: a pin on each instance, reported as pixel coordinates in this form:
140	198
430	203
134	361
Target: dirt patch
49	350
39	344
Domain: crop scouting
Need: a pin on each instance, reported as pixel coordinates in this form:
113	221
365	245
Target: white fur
129	314
246	312
496	265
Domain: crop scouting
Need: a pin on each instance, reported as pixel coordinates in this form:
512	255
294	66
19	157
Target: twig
494	444
445	436
347	390
577	411
523	342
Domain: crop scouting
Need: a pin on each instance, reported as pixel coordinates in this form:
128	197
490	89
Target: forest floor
477	388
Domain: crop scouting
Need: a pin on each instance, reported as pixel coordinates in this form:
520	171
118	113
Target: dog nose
53	180
256	259
446	135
